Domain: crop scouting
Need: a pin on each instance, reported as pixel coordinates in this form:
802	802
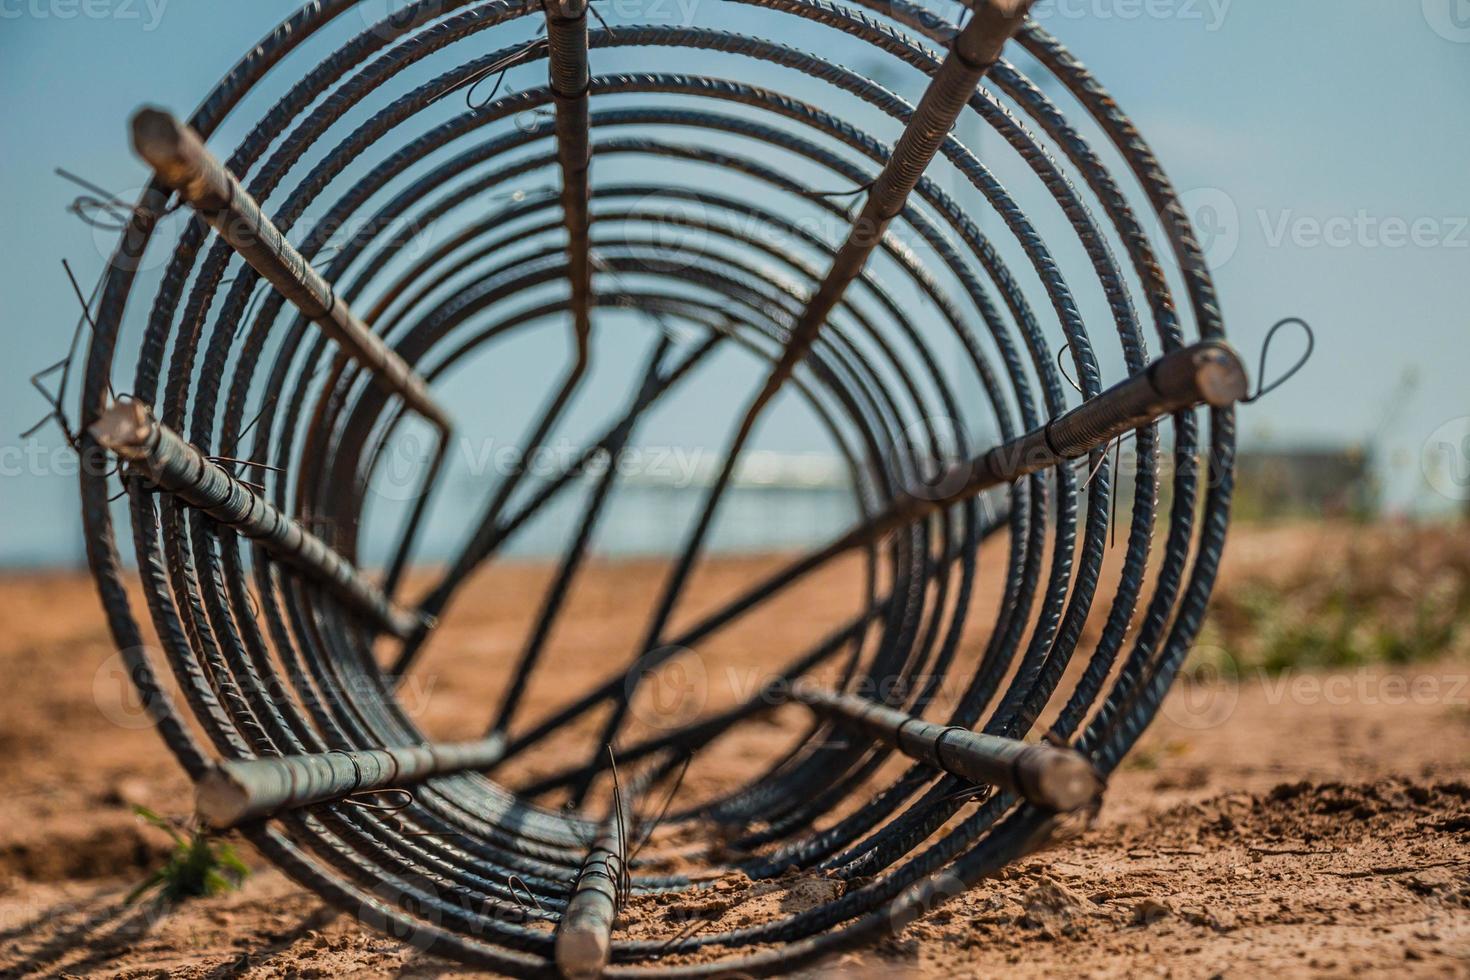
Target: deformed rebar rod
1059	779
772	694
1209	373
182	162
974	50
571	562
1206	373
129	429
488	537
566	37
584	936
237	791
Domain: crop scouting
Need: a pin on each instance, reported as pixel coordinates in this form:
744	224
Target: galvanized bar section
182	162
570	80
584	936
241	790
974	50
1207	373
128	429
1056	778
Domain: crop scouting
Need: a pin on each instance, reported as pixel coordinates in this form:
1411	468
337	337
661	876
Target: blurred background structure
1317	194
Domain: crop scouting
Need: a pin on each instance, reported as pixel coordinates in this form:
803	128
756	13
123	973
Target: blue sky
1325	142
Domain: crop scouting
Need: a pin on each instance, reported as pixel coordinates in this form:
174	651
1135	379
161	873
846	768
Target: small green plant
198	866
1395	597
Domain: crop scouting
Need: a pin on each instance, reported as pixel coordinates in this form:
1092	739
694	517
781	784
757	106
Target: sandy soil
1306	823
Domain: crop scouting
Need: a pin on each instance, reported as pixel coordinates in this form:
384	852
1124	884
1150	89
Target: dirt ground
1294	822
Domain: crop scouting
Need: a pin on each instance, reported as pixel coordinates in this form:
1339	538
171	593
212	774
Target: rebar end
124	427
177	155
1220	375
993	23
158	137
220	801
582	953
1059	779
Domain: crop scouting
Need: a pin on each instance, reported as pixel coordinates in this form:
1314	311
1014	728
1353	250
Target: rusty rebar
566	37
182	162
129	429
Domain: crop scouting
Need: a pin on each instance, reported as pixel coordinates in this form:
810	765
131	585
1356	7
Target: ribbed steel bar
1207	373
182	162
490	536
571	560
167	461
973	51
566	36
584	935
773	693
240	790
1057	778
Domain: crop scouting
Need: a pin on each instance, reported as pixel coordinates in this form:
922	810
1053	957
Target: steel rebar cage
894	247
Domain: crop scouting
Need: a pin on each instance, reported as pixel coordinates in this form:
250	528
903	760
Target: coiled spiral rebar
723	221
